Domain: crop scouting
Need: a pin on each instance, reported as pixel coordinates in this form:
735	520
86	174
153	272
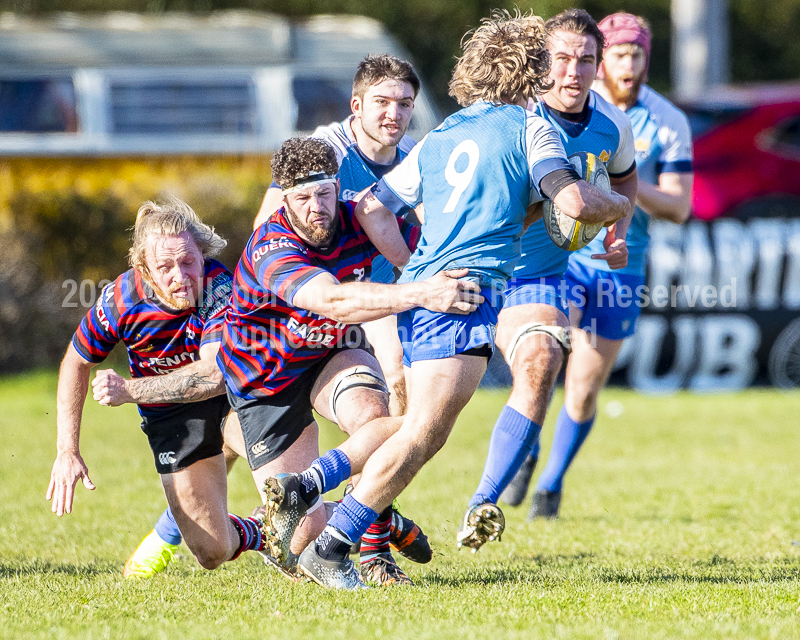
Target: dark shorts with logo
185	433
272	424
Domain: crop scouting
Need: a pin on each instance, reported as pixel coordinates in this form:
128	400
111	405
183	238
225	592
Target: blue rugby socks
350	521
567	440
513	438
167	529
325	473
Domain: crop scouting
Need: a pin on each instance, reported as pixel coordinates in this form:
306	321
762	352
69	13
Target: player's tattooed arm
197	381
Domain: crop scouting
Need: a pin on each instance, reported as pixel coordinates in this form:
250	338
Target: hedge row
65	227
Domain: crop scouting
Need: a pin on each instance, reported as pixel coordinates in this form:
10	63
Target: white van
232	83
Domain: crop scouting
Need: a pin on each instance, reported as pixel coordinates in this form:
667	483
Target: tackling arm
356	302
670	200
69	467
197	381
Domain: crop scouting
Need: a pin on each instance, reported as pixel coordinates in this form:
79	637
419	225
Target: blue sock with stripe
513	439
568	438
351	519
333	469
167	528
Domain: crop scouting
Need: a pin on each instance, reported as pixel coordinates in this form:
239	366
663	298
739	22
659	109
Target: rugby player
368	144
602	310
533	327
481	169
292	342
168	311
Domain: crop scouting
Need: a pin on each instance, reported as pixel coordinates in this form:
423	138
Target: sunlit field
680	518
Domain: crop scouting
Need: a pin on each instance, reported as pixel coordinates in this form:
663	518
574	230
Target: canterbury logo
258	448
168	457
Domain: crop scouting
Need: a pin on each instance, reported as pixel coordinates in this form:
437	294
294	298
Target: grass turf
680	519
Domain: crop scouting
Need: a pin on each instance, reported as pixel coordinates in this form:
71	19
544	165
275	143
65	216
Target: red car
746	151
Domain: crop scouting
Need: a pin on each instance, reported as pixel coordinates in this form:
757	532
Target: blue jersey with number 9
475	174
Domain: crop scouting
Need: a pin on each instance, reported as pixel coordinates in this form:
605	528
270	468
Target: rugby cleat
383	571
329	573
408	540
151	557
545	505
283	510
482	523
516	490
288	568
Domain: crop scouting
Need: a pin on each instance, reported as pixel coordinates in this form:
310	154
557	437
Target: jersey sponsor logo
348	194
259	448
314	334
359	273
167	457
160	366
642	145
276	243
216	296
101	316
605	155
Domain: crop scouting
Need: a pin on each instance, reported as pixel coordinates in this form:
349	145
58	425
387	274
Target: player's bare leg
588	369
535	359
197	497
382	335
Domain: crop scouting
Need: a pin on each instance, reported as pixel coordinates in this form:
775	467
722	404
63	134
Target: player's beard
317	235
627	95
167	297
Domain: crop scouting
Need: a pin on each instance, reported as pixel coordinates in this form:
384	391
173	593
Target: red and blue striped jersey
158	339
267	341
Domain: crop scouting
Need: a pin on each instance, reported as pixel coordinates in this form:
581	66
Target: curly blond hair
170	219
504	60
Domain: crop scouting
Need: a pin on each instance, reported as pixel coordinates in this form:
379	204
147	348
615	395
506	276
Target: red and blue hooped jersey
267	341
158	339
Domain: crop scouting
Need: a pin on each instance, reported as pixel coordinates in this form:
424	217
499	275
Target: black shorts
185	433
272	424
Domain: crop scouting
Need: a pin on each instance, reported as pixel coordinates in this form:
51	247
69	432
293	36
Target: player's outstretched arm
197	381
590	205
381	227
670	200
356	302
69	467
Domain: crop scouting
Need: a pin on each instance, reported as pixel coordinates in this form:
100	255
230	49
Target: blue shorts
382	271
610	301
548	290
427	335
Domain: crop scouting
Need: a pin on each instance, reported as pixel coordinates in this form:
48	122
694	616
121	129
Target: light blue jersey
356	173
606	133
663	144
475	174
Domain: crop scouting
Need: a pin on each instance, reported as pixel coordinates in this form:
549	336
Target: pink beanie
624	28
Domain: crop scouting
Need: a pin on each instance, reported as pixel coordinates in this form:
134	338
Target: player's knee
210	556
538	361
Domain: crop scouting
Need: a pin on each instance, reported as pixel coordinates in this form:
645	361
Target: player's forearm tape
557	180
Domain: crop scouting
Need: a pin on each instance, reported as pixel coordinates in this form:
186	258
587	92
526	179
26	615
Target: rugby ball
567	233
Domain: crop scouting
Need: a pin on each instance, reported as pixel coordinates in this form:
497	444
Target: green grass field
680	519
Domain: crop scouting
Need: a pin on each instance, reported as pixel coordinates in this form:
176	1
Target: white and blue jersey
663	143
605	132
357	172
476	174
